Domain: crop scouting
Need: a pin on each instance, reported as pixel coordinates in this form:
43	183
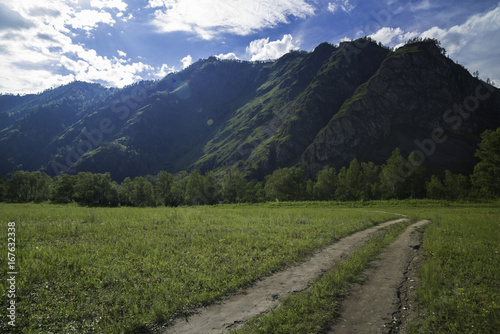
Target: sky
45	44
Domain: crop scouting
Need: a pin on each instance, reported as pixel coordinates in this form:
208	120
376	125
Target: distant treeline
398	178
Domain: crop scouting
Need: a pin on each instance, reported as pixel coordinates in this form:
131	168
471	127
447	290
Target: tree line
399	178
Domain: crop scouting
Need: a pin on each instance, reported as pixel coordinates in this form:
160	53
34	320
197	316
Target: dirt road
375	306
264	294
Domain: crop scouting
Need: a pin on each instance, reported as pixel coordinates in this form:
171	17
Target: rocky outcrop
418	100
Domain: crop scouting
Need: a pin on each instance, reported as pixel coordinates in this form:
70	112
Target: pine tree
486	176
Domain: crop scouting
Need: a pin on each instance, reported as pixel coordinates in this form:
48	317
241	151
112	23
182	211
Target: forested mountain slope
325	107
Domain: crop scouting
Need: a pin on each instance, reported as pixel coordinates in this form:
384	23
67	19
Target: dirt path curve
263	295
374	305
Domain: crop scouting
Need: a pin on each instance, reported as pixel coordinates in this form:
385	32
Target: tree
286	184
42	183
3	187
63	189
390	180
125	192
93	189
326	185
164	189
486	176
402	178
349	182
255	193
179	187
456	186
28	186
371	181
309	195
353	180
435	189
194	189
211	188
234	187
415	177
142	192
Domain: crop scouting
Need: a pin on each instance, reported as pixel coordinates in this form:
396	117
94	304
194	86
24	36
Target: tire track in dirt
374	306
263	295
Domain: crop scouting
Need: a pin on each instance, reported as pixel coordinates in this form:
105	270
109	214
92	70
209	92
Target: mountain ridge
325	107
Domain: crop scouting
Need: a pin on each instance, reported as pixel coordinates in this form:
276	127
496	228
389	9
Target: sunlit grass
109	270
314	310
460	276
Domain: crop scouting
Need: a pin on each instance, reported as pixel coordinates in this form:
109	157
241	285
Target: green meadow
109	270
460	274
112	270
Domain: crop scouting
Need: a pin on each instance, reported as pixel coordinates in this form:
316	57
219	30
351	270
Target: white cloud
227	56
89	19
118	4
344	5
262	49
210	18
475	43
45	55
127	18
186	61
386	34
391	36
332	7
424	5
164	70
156	4
121	53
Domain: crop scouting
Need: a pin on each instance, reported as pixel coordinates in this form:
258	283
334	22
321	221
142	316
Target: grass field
112	270
460	274
313	310
109	270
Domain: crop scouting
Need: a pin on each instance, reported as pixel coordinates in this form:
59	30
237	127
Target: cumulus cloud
473	43
186	61
121	53
43	54
89	19
227	56
207	19
156	3
164	70
344	5
118	4
389	36
262	49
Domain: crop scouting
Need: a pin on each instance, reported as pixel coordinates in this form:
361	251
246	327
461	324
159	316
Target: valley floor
265	294
266	268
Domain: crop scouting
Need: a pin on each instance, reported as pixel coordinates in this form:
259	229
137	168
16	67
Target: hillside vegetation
308	109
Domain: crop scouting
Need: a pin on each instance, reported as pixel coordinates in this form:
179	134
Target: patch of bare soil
263	295
407	293
385	298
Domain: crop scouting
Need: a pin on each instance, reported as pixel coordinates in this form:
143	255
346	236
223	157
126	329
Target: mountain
325	107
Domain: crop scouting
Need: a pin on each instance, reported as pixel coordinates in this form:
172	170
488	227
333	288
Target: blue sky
48	43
